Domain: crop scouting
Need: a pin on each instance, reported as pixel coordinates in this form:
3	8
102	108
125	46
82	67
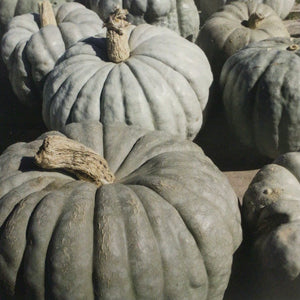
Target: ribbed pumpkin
163	84
11	8
208	7
271	210
181	16
261	95
235	26
166	228
30	49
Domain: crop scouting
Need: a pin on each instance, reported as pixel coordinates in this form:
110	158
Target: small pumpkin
31	46
208	7
147	76
181	16
233	27
261	95
165	228
271	210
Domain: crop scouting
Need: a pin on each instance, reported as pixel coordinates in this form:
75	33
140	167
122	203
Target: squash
11	8
181	16
271	211
31	47
261	95
208	7
130	77
165	228
233	27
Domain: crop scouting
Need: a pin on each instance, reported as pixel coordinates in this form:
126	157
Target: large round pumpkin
164	84
261	95
180	16
233	27
165	229
30	50
208	7
271	210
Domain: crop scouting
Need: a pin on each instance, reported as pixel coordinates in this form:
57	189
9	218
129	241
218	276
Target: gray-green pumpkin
261	95
181	16
233	27
30	50
11	8
271	210
163	84
166	228
208	7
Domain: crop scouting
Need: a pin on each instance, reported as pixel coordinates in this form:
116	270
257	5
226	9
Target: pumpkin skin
30	52
208	7
271	210
165	229
261	95
226	31
151	89
181	16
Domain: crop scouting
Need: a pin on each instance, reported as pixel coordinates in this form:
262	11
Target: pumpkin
30	48
271	210
181	16
135	81
11	8
208	7
261	95
165	228
235	26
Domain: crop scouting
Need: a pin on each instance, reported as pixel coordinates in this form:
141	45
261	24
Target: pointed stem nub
46	12
117	38
254	20
59	152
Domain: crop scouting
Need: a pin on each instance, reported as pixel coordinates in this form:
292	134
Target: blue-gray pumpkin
261	95
30	50
163	83
166	228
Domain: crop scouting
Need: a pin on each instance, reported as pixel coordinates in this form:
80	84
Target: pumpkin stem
293	47
59	152
117	38
254	20
46	12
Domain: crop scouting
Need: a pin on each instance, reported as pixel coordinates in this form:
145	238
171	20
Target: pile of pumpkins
116	201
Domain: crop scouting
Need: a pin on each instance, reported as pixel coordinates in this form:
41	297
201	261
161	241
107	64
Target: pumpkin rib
77	103
144	92
65	250
159	227
178	123
184	75
190	107
29	259
207	263
61	114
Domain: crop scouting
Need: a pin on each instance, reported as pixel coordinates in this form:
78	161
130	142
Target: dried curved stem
59	152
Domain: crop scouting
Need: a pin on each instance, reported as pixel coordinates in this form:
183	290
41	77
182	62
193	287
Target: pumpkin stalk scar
46	12
116	36
254	20
293	47
58	152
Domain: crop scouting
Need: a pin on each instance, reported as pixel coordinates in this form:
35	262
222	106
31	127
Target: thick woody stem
59	152
117	37
254	20
46	12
